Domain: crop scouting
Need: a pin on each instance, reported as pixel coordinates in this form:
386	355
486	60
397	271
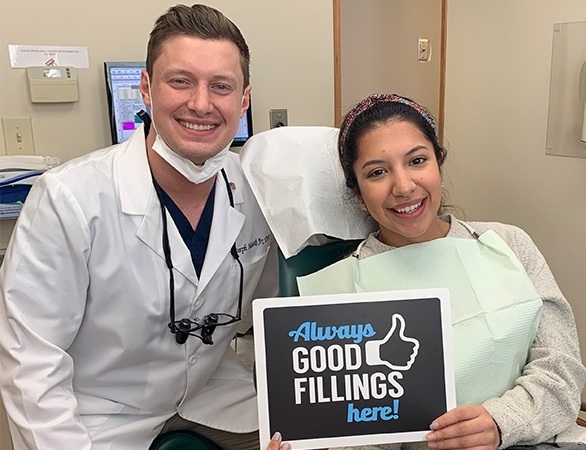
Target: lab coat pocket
225	292
253	268
95	411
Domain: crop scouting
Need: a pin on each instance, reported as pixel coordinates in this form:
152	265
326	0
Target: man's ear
245	101
144	88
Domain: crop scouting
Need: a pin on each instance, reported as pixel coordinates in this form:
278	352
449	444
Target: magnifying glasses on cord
201	328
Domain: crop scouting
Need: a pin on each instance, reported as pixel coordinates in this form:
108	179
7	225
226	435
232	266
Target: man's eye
222	88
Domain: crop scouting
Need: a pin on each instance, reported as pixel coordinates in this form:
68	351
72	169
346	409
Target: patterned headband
375	99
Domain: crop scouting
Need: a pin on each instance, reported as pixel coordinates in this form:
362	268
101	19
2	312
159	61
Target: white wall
498	71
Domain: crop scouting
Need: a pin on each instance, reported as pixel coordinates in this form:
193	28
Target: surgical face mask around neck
193	172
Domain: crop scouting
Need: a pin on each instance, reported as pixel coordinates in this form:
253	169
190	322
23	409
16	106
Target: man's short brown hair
200	21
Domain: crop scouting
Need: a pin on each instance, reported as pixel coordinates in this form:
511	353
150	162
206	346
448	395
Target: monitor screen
125	101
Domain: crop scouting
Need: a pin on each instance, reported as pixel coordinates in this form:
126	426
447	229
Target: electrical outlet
18	136
277	118
423	50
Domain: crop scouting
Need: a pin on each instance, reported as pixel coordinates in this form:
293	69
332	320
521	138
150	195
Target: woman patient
392	161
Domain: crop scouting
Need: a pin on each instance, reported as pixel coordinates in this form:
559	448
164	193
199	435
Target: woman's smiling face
400	183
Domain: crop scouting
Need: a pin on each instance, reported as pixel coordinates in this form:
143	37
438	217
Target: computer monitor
125	102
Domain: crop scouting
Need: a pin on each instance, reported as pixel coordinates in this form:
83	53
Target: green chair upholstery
182	440
309	260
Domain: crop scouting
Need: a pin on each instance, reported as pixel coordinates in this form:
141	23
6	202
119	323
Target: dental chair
182	440
309	260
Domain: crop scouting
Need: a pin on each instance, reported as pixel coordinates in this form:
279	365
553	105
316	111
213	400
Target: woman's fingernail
276	437
434	426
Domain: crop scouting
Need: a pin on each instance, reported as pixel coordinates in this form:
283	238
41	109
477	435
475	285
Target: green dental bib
495	307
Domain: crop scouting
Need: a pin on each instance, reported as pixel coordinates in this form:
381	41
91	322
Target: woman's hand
276	443
464	427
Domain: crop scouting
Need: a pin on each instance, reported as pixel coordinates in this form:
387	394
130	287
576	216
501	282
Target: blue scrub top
196	240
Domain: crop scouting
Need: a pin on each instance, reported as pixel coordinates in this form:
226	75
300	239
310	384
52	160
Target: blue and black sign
354	368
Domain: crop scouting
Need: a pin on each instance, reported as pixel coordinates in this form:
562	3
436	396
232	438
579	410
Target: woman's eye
376	173
418	160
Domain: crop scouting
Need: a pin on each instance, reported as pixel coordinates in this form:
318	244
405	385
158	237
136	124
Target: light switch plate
277	118
423	50
18	136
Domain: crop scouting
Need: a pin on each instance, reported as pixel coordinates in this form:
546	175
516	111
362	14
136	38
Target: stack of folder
17	175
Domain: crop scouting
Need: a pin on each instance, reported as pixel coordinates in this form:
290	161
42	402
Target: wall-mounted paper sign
22	56
353	369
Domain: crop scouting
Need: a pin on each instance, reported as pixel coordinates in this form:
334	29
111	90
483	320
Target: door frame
338	67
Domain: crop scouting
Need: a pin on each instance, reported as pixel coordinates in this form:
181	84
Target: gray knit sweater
544	404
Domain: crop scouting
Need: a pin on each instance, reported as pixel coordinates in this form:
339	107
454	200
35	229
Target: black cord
234	251
167	253
183	330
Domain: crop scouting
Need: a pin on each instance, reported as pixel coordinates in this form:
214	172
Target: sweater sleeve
545	400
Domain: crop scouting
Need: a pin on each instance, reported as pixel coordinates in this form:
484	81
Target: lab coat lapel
138	198
226	225
150	231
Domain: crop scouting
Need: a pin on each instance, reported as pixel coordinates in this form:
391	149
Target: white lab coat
84	338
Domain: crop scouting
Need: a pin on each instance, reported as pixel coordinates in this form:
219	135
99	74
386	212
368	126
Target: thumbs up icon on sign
396	350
